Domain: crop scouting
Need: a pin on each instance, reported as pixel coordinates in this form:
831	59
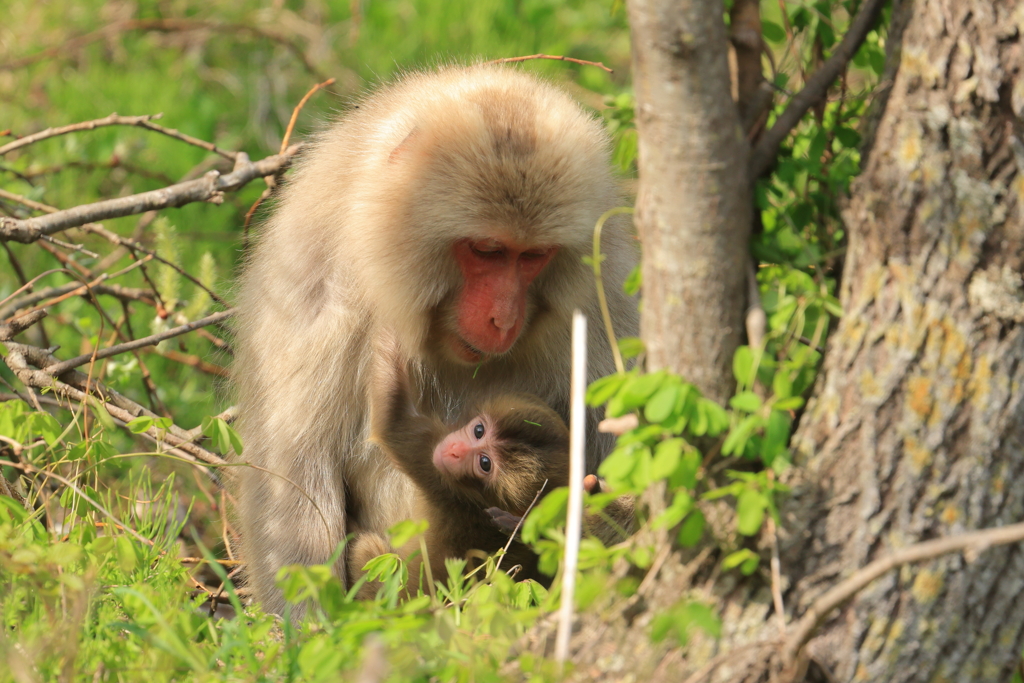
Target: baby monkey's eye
478	431
485	462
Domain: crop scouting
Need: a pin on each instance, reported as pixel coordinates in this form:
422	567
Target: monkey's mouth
466	351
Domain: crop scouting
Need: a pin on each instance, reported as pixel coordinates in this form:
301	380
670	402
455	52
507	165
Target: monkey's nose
457	451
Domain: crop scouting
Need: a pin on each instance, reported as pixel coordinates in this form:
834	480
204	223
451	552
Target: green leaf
667	455
127	558
750	507
848	137
717	420
682	503
631	347
746	401
692	529
640	388
876	58
733	560
633	281
773	32
603	389
382	567
140	424
743	366
737	439
781	384
406	530
776	436
47	427
686	474
642	476
663	403
791	403
617	467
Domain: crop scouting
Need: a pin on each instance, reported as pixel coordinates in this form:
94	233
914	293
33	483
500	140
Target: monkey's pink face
469	453
491	307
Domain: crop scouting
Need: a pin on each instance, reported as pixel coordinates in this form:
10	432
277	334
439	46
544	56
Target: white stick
574	523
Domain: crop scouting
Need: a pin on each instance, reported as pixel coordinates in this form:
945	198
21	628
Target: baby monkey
475	483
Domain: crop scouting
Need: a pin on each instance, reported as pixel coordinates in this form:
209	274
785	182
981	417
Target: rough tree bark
917	425
693	206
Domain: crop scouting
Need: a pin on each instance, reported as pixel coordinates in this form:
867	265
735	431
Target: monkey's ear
405	147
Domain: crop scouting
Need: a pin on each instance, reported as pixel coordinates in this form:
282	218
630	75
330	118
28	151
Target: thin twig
597	257
20	324
133	246
270	180
763	156
560	58
117	291
776	571
515	531
151	340
295	112
209	188
973	543
112	120
87	287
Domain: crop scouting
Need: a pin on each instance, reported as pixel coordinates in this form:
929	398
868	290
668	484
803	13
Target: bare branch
151	340
560	58
973	542
208	188
763	157
112	120
117	291
19	324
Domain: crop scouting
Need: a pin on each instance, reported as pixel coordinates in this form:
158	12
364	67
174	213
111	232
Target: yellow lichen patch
910	148
954	346
918	456
872	283
950	514
1018	186
926	586
869	387
980	384
920	398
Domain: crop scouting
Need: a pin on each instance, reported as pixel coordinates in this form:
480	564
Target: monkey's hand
505	521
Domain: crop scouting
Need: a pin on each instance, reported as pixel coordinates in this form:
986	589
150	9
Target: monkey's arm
407	435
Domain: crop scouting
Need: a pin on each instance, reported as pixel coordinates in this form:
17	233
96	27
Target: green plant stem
602	300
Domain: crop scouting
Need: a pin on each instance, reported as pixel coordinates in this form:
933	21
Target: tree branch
763	157
208	188
20	324
973	542
151	340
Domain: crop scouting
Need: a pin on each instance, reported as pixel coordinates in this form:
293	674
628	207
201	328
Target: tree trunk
917	428
693	206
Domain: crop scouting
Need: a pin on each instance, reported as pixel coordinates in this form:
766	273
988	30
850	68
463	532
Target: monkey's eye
478	430
485	463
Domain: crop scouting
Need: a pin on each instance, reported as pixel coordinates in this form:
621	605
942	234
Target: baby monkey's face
470	453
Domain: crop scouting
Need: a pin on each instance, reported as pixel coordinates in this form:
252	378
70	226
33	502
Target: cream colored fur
360	247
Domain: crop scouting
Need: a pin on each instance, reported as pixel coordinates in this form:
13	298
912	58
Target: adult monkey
450	211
